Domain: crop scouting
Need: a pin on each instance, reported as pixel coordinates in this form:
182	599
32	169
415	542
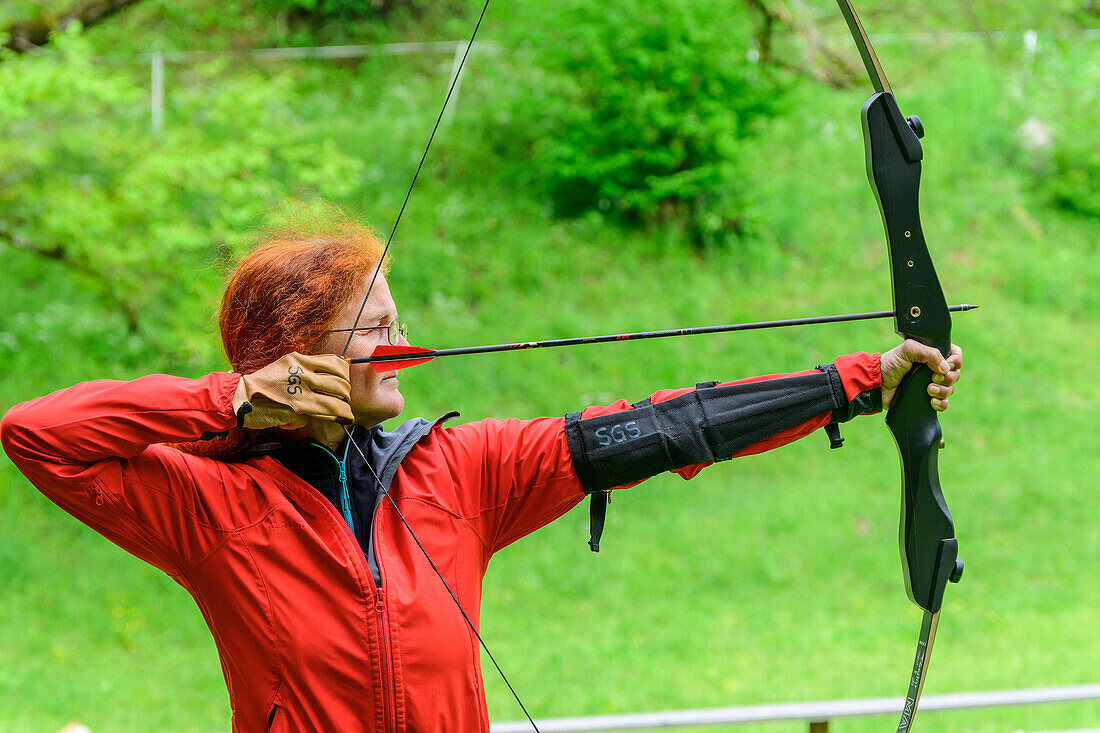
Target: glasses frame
394	331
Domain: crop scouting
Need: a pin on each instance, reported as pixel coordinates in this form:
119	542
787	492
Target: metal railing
816	714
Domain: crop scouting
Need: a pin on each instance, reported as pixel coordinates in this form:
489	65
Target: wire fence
158	59
1030	41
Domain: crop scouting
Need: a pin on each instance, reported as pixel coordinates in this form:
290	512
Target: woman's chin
383	409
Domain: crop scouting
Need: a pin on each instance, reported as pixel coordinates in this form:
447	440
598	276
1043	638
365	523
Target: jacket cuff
227	390
861	379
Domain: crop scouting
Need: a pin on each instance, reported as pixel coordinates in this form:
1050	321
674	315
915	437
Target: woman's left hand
897	362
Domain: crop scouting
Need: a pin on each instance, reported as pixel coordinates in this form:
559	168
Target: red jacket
307	642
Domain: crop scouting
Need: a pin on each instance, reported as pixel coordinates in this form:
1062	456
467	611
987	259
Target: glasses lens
396	332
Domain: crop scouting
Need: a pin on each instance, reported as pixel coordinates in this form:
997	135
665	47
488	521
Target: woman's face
374	395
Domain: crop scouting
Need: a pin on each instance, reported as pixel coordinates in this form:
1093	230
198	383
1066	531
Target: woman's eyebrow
373	315
384	318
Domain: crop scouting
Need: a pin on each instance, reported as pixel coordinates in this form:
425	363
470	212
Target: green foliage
1068	166
322	22
997	17
638	109
329	9
1076	169
87	184
326	8
16	11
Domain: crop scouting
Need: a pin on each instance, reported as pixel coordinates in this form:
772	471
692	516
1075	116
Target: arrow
388	357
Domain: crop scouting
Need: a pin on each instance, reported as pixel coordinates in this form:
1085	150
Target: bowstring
416	175
351	333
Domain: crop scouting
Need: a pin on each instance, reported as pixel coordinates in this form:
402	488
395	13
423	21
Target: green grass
773	578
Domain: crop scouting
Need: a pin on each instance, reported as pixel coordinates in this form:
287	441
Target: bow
928	546
929	550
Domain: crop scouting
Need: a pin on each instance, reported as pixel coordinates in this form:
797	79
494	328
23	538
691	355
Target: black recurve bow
929	550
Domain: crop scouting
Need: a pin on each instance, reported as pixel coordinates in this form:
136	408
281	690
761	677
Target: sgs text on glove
294	389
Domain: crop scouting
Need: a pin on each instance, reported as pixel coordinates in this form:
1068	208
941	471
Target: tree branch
30	34
58	254
818	61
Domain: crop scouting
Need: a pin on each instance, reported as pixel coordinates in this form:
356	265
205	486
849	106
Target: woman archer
274	497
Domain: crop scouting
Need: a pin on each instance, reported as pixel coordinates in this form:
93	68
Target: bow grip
929	550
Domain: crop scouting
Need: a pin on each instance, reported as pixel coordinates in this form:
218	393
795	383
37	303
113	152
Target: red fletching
391	350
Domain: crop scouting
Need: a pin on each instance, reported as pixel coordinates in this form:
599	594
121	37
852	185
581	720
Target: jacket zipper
389	696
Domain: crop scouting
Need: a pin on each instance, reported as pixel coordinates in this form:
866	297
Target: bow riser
929	550
927	534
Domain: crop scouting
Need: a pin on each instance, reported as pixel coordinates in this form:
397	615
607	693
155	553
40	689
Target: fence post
157	92
456	71
1031	42
819	726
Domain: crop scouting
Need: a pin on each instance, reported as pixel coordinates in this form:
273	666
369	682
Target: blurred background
604	167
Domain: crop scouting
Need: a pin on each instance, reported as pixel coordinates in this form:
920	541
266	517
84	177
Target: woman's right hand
293	390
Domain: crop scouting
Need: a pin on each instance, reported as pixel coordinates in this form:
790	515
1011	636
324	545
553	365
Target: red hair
285	294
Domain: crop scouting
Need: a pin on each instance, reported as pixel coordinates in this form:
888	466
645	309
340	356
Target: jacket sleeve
93	450
510	477
522	474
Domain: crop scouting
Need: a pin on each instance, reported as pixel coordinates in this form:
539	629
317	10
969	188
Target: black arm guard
710	424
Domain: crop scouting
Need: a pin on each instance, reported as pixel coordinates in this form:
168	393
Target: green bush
86	185
638	109
337	9
1064	154
1074	180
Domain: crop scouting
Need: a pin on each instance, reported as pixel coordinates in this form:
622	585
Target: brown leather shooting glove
292	390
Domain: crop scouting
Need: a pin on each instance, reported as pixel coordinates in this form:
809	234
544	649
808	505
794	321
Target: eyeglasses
394	331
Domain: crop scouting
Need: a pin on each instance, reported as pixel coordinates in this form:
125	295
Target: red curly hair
285	294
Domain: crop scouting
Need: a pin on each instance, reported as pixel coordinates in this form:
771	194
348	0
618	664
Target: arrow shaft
638	336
